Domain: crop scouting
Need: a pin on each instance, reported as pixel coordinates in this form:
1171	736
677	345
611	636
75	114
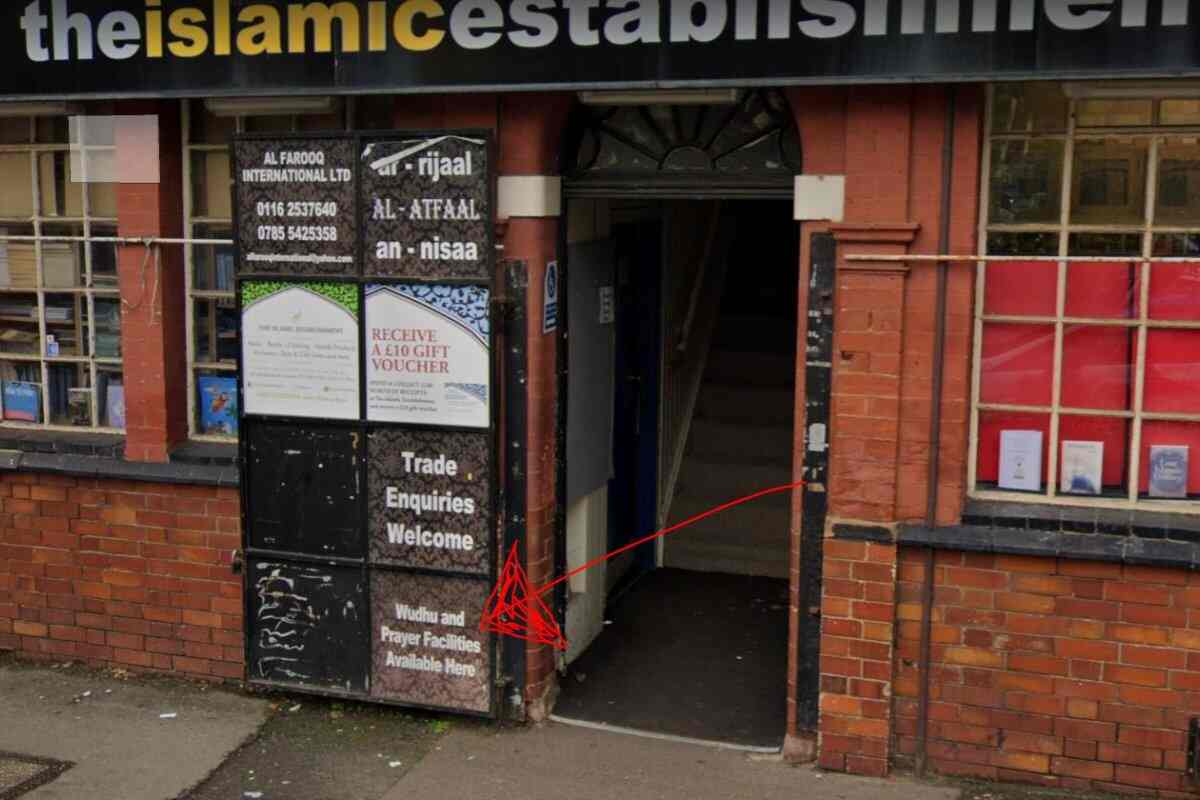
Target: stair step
732	561
756	333
736	444
746	404
751	368
698	477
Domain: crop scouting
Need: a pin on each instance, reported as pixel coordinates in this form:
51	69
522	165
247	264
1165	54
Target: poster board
367	426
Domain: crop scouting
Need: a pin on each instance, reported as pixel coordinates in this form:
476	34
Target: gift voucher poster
428	355
300	349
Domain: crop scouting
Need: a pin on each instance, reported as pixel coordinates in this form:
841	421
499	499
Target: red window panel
1097	367
1020	288
1175	291
1101	290
1017	364
1186	434
1173	371
1113	432
991	423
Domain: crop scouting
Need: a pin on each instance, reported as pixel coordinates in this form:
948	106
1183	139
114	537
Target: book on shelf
1082	468
60	265
1021	460
218	404
1168	470
114	404
22	401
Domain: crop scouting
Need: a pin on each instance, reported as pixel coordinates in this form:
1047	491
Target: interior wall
587	513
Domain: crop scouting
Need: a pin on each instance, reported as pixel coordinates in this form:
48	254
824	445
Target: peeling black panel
817	379
308	625
303	488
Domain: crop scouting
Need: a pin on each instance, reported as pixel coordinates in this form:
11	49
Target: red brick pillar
153	338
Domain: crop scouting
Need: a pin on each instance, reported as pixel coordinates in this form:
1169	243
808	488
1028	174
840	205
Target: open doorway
682	324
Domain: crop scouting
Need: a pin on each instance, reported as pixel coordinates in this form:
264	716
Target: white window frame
1142	323
88	291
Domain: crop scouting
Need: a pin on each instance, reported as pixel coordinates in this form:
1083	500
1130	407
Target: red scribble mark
515	609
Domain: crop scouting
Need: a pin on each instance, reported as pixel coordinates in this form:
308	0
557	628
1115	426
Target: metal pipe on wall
935	425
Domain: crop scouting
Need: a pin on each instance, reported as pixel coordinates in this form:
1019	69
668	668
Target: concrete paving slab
119	744
554	761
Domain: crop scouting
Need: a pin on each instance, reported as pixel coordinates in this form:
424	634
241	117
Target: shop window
212	321
60	322
1088	371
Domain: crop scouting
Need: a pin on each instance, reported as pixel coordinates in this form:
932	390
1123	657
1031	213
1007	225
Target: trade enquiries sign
367	429
80	48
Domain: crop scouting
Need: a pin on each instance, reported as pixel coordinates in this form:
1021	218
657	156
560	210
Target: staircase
740	441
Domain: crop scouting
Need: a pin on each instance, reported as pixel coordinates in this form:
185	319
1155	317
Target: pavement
217	744
553	761
111	729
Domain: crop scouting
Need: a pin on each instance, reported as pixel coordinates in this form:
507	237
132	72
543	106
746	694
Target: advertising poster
428	355
427	648
300	350
426	209
430	503
296	211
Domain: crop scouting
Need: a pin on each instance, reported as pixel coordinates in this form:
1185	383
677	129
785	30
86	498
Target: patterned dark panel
426	208
302	482
307	625
295	210
412	500
426	644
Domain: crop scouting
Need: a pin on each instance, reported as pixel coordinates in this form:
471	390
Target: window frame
87	290
1141	324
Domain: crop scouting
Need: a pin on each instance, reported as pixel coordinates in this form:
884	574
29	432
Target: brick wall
1072	674
120	573
857	631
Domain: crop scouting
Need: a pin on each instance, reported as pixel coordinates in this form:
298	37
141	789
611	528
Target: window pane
70	394
1097	367
1104	245
53	130
320	122
1026	182
18	265
269	124
1021	288
1113	113
66	325
1081	459
1018	363
211	185
60	197
16	176
1028	108
107	327
1172	372
1108	183
19	324
216	403
1175	291
991	424
1102	290
15	130
21	385
1179	112
374	112
1171	451
212	265
1178	197
63	265
102	200
216	331
104	258
208	128
110	397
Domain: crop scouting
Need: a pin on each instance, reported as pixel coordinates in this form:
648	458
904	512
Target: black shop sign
367	416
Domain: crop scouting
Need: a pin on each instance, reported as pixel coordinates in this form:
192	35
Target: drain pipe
935	431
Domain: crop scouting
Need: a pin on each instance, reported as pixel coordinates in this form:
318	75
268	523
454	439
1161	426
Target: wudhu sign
53	48
365	267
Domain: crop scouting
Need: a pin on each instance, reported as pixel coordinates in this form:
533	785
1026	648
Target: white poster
1021	460
300	349
428	355
1082	467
